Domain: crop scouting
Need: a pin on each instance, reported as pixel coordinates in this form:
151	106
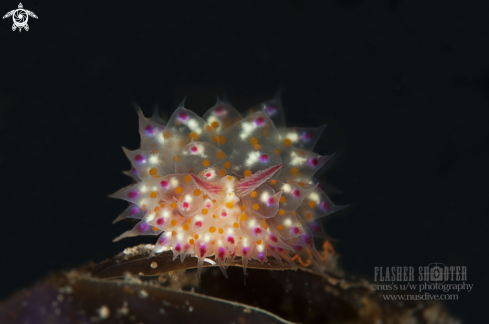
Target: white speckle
124	310
143	294
104	312
246	310
141	273
190	309
162	311
154	265
60	298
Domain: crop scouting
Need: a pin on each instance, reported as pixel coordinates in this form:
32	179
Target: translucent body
226	186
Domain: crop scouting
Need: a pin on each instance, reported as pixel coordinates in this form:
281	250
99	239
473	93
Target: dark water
402	85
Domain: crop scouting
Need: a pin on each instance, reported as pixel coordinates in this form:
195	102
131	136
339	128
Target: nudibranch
225	185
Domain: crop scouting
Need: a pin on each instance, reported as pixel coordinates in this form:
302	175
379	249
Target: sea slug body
225	185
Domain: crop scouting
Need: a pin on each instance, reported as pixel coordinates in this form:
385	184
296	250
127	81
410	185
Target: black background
402	85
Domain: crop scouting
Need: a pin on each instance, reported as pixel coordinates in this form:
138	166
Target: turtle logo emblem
20	17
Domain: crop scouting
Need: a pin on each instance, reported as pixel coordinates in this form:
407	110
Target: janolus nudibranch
225	185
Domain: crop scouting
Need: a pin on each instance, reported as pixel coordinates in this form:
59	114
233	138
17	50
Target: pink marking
324	205
132	194
221	253
259	121
182	116
271	201
307	240
261	256
134	171
185	205
134	210
273	238
248	184
139	158
164	184
208	205
160	221
219	111
245	251
142	227
231	239
295	230
279	249
186	247
271	110
208	175
313	162
178	248
257	231
263	158
210	188
202	251
149	130
224	213
198	223
296	193
162	240
315	227
194	149
307	136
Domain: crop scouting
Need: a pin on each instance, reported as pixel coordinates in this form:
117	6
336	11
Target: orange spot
176	158
281	212
282	199
153	171
280	227
226	165
144	207
214	216
191	241
166	135
204	197
300	152
253	194
276	151
155	176
242	207
230	204
155	151
311	204
162	205
187	178
154	228
157	209
256	206
173	233
273	182
193	135
173	205
153	194
301	184
212	229
186	227
196	236
243	217
178	190
204	211
222	140
197	192
208	128
174	222
221	231
221	155
181	198
293	213
215	124
206	163
294	171
308	216
189	221
258	242
253	141
256	147
264	224
235	225
215	138
247	173
287	142
222	173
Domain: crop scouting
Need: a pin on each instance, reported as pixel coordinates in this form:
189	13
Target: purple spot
313	162
162	240
202	250
221	252
160	221
149	130
263	158
132	194
307	136
261	256
164	184
178	247
324	205
245	251
315	227
182	116
271	110
134	171
295	230
259	121
306	239
142	227
296	193
134	210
